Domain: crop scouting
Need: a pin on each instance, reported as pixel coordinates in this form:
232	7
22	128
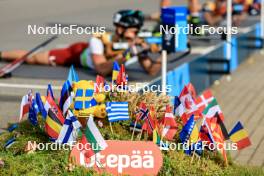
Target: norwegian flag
143	112
150	122
148	118
25	105
169	124
149	125
189	104
204	100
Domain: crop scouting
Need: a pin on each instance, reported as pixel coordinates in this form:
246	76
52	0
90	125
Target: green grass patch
18	162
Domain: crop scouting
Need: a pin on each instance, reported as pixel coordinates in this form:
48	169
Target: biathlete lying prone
100	53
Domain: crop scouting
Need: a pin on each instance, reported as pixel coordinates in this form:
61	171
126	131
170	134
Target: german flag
239	136
55	119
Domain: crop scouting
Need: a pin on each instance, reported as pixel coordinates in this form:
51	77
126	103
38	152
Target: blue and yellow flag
115	72
187	130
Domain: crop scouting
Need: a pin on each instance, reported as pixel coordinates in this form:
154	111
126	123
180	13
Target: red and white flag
189	105
99	85
150	121
169	125
169	119
122	76
191	90
25	105
204	100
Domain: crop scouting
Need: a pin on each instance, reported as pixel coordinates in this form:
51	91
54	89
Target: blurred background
16	15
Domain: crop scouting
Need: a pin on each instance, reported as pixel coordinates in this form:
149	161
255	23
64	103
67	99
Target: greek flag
117	111
69	129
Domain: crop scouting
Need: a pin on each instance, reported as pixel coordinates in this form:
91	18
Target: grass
18	162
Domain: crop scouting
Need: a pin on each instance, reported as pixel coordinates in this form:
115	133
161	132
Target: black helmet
129	18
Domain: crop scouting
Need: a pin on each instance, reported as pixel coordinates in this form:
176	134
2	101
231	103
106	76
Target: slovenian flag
117	111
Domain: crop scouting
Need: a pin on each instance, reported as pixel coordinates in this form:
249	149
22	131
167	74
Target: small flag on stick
239	136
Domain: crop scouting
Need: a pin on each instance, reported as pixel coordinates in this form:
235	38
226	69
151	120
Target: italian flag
94	137
212	109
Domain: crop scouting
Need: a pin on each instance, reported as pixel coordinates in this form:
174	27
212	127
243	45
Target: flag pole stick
163	126
262	21
193	155
164	71
229	26
162	136
111	128
226	162
140	134
133	131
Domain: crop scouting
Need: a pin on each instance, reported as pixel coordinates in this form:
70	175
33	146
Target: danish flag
204	100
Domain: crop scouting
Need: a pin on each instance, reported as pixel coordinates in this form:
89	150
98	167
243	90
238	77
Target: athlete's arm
150	66
103	66
211	19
